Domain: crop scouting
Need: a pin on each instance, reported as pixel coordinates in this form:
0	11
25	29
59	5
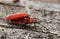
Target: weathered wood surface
49	19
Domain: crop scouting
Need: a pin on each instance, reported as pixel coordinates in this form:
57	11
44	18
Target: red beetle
22	18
